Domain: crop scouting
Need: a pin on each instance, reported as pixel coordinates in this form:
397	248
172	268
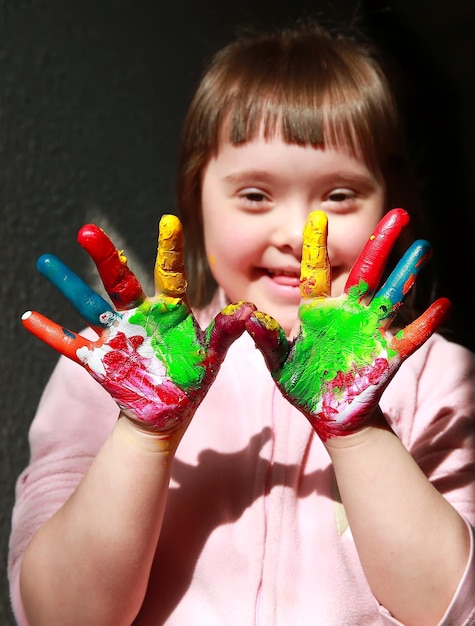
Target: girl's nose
288	230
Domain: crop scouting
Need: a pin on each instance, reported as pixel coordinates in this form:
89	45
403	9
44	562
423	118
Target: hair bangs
338	116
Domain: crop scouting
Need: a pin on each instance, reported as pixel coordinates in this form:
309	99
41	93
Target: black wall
91	99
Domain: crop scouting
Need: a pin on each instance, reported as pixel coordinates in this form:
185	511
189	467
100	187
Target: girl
207	497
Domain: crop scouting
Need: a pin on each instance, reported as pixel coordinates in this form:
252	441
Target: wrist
368	433
146	440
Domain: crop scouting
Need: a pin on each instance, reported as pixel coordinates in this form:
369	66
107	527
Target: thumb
270	339
226	327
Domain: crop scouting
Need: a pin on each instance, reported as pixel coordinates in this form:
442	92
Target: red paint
60	339
370	265
121	284
422	328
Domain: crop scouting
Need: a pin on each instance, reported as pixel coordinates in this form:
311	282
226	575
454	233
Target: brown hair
309	85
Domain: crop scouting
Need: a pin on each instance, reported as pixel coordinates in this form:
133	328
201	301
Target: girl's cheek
338	285
211	260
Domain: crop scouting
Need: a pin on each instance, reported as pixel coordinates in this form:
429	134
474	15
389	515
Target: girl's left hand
343	357
150	354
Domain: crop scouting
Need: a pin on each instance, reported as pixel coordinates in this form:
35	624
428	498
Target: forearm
412	544
90	563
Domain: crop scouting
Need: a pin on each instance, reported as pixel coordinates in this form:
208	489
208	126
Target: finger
61	339
120	283
315	272
170	276
227	326
90	305
392	294
369	267
270	339
413	336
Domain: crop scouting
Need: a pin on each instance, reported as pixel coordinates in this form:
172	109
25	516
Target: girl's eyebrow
340	177
362	179
261	175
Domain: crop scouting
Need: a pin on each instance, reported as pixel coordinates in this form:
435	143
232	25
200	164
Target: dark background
92	95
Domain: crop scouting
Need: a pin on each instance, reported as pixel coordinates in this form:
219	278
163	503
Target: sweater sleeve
74	417
436	387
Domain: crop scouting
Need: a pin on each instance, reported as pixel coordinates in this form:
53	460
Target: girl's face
255	199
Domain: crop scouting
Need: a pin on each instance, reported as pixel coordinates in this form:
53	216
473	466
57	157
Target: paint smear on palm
347	352
151	362
173	338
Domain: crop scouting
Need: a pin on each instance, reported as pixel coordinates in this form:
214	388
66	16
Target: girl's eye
253	197
341	195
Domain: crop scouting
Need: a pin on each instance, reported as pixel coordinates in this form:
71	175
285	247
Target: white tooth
283	273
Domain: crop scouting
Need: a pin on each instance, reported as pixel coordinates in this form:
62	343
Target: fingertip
266	320
423	249
399	215
45	262
169	218
443	307
34	323
87	232
170	233
96	242
250	309
269	338
240	310
445	302
264	329
317	217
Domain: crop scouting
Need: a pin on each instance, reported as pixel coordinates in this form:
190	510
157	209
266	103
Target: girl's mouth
287	278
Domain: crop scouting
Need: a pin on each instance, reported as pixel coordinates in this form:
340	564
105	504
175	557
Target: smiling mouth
284	277
290	274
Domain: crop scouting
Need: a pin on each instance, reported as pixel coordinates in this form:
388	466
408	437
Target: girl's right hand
150	354
344	355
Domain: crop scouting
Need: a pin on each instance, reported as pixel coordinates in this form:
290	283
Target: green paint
173	337
338	336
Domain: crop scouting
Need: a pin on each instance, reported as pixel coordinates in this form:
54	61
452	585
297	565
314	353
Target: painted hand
343	357
150	354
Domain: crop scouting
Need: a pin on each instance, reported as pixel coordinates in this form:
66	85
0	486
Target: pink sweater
254	531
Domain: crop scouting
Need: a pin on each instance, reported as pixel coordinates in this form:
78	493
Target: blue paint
396	286
89	304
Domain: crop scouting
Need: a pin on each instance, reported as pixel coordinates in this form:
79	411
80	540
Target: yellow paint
267	321
170	277
212	259
315	272
230	309
122	257
171	301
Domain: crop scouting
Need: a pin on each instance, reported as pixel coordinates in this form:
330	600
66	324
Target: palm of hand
151	360
343	356
340	362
